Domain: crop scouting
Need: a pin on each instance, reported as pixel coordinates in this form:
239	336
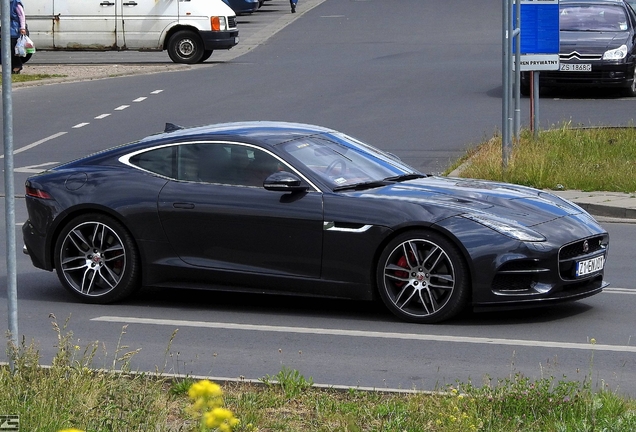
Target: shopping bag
20	49
29	46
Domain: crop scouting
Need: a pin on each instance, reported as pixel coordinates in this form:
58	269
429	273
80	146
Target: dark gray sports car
293	208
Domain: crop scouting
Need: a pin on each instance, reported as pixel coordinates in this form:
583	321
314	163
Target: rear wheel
96	259
186	46
422	277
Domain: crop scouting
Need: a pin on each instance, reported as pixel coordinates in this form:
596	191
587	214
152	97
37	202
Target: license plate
577	67
591	265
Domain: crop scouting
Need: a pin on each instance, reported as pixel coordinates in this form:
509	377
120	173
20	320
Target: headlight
218	23
616	54
507	227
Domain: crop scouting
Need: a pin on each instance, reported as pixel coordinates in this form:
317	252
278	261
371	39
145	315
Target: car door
217	215
84	24
145	20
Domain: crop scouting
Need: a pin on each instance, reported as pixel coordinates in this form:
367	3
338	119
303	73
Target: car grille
583	57
231	22
570	254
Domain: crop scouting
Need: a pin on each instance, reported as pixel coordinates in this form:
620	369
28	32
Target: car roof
270	132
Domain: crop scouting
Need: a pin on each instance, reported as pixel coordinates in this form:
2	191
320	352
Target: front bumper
215	40
606	75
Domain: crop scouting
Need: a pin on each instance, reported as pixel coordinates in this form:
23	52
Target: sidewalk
605	204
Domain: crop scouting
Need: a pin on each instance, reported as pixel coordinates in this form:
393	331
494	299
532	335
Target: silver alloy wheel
92	259
419	277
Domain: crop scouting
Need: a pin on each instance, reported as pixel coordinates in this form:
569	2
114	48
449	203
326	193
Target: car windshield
594	17
343	161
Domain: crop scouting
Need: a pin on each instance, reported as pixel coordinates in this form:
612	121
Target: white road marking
101	116
139	99
79	125
620	291
369	334
33	168
121	107
37	143
156	92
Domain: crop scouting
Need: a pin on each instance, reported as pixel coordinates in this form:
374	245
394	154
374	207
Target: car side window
223	163
159	161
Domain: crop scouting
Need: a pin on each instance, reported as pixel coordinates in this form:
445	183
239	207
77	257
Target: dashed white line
156	91
121	107
139	99
37	143
79	125
101	116
369	334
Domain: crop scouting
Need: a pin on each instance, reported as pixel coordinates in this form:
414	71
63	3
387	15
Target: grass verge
589	159
72	395
32	77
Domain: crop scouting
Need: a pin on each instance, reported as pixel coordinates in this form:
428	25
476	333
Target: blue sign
539	34
539	27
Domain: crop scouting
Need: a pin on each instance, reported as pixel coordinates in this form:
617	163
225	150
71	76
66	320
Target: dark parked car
243	7
597	47
293	208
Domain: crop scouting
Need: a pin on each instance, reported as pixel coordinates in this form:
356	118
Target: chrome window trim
125	159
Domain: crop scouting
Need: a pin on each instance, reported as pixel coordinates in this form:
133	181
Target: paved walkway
604	204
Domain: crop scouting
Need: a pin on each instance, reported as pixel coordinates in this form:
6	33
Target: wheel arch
63	219
419	227
174	29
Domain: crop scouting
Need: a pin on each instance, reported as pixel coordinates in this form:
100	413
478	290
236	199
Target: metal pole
9	193
535	91
517	90
505	75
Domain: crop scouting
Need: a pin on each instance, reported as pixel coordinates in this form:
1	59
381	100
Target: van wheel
206	55
185	47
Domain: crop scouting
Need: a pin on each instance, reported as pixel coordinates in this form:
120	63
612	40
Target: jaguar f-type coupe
274	207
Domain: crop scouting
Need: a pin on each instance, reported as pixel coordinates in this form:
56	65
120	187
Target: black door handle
131	3
182	205
106	3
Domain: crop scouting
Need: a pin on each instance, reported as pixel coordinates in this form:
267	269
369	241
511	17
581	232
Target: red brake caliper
402	262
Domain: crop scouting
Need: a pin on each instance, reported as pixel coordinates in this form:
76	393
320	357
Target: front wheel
631	90
96	259
186	46
422	277
206	55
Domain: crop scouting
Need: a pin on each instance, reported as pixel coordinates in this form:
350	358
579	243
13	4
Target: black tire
206	55
186	46
631	90
96	259
422	277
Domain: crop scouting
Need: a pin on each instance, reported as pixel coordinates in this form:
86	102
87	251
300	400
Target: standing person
18	28
293	5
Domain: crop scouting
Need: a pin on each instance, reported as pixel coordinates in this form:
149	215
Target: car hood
590	42
525	205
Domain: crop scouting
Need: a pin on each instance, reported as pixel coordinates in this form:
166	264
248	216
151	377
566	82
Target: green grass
32	77
73	394
590	159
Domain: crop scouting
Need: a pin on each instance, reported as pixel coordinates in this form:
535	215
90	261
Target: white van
188	29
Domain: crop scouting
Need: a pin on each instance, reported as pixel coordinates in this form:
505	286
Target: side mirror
284	181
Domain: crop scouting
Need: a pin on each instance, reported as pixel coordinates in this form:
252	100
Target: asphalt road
420	79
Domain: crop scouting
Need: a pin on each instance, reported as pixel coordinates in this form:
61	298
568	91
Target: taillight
37	193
